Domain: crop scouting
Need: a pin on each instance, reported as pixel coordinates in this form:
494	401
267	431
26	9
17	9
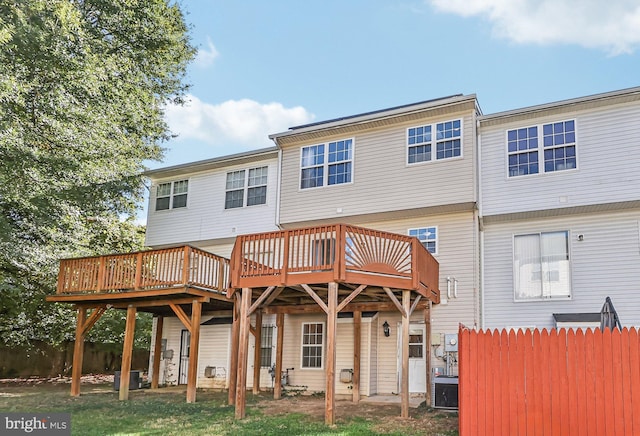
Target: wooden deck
331	269
344	254
146	279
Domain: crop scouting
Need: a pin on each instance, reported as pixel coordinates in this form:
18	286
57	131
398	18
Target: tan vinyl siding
215	347
312	378
387	362
607	142
605	263
457	256
344	353
380	172
171	331
205	217
371	347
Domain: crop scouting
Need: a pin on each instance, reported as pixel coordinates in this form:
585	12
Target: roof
369	117
376	112
619	96
216	162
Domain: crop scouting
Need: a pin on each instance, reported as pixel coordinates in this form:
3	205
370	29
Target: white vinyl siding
606	174
382	173
206	218
606	262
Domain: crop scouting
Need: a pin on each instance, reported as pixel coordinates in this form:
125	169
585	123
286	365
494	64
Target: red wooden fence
557	382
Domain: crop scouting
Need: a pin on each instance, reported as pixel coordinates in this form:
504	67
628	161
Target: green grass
99	412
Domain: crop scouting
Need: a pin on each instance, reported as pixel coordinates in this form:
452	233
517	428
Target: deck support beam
83	325
78	352
404	387
427	333
330	389
127	351
157	351
357	337
257	354
233	364
277	381
243	351
194	346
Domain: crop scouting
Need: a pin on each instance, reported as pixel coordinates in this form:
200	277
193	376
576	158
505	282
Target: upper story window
446	142
428	236
541	266
326	164
553	145
172	195
246	188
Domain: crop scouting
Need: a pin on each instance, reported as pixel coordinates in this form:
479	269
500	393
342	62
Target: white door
417	358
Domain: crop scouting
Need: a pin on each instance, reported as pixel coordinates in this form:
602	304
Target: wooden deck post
127	351
357	328
243	349
277	381
330	389
192	374
157	351
233	362
427	334
404	383
78	352
257	354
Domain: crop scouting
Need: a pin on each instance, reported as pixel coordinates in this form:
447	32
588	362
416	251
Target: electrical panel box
435	339
451	342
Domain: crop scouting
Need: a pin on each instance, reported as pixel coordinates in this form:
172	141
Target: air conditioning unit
444	392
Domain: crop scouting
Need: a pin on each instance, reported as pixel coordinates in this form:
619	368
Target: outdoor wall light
386	329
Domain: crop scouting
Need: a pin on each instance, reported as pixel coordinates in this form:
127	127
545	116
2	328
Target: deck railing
153	269
334	251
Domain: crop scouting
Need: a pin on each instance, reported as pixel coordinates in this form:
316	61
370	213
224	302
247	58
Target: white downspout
480	228
279	178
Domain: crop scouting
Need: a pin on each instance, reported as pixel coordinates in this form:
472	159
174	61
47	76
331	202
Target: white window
246	188
541	266
528	152
172	195
266	346
428	236
326	164
312	345
447	141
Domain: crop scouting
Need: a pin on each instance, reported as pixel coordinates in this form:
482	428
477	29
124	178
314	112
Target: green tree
83	84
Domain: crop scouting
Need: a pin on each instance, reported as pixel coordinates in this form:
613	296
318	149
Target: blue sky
264	66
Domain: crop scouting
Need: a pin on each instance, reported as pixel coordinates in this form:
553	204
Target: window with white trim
447	141
326	164
246	188
172	195
541	266
428	236
555	148
312	345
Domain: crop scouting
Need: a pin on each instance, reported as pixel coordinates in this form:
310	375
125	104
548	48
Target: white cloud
242	122
206	56
612	25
